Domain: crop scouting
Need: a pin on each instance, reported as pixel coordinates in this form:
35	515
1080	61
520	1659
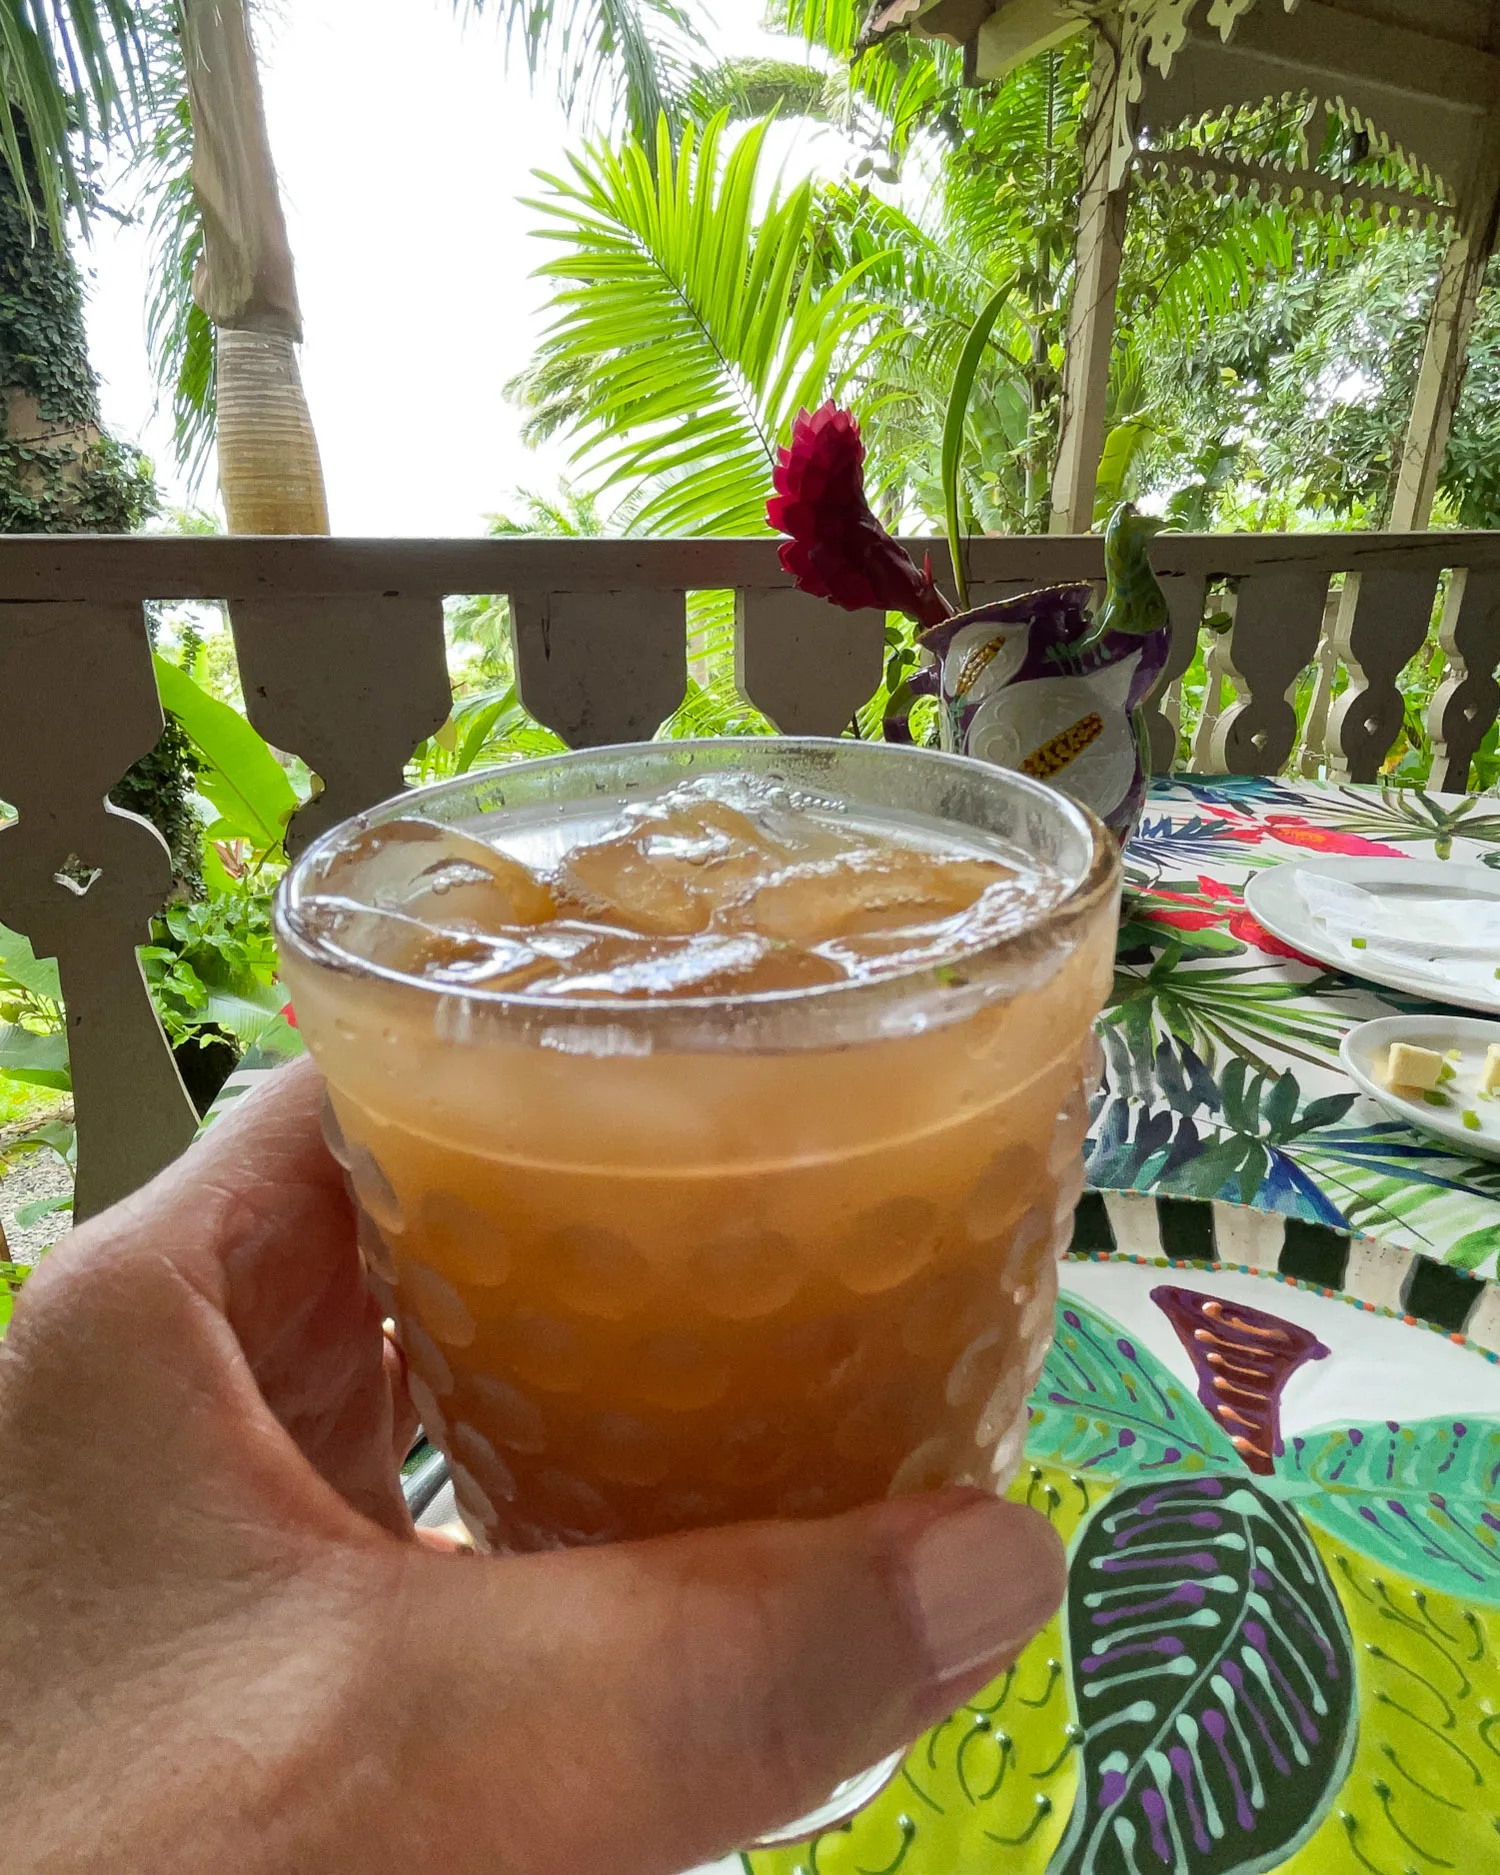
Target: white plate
1273	899
1363	1052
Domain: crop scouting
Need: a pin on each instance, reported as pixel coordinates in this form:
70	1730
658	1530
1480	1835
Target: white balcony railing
341	655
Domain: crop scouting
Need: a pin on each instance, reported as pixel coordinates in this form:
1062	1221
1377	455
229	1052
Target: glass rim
1095	880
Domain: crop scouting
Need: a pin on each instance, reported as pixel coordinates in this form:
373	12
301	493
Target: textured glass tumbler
660	1265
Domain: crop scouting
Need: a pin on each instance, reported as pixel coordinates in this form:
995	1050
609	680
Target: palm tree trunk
269	468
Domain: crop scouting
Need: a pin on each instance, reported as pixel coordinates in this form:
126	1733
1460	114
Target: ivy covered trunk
60	473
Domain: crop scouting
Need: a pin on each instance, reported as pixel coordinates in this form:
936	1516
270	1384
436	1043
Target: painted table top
1269	1428
1281	1644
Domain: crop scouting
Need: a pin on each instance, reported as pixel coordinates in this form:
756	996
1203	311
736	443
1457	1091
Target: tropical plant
34	1054
635	59
1241	389
12	1275
69	74
689	329
210	963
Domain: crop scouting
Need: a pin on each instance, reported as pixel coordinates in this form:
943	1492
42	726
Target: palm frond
69	70
836	24
755	87
693	330
635	56
180	337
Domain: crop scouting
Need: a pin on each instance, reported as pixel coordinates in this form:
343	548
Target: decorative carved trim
1274	182
1153	32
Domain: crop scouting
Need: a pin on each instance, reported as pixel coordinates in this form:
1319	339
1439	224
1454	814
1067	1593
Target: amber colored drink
715	1114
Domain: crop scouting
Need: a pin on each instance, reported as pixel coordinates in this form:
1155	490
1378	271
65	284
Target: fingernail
986	1579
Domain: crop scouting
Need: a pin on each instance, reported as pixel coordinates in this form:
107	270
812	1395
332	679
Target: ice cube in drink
719	1173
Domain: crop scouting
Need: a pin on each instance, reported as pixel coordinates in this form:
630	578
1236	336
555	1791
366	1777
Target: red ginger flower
838	550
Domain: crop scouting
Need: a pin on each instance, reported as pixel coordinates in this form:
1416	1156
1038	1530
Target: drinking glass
664	1264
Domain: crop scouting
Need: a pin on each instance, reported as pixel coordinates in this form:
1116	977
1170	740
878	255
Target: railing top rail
173	567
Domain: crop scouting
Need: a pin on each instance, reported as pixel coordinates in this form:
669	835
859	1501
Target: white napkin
1445	941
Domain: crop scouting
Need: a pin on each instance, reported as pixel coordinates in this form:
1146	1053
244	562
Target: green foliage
160	788
33	1044
212	970
12	1275
1265	351
58	473
689	328
954	423
179	334
239	775
65	66
632	57
758	87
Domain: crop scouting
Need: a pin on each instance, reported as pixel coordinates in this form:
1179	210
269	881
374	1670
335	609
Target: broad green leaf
37	975
243	780
57	1136
12	1276
38	1060
953	430
1121	447
33	1213
254	1022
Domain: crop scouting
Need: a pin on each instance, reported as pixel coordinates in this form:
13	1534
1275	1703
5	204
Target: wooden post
1439	380
1091	318
1445	353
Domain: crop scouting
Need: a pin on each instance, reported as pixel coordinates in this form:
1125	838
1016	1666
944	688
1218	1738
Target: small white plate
1364	1051
1274	899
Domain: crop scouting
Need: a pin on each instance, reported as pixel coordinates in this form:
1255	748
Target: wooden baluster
82	879
1382	623
1185	604
352	685
804	663
599	668
1274	637
1465	703
1215	670
1315	727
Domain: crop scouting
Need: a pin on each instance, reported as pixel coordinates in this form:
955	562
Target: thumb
651	1705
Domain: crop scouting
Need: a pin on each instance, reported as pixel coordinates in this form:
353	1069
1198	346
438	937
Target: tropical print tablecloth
1221	1044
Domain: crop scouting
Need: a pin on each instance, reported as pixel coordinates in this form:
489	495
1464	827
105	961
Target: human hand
221	1648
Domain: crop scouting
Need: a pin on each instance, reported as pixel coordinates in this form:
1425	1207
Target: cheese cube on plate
1420	1068
1489	1074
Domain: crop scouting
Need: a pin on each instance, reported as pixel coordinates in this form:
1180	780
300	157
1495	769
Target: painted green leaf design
1105	1406
1213	1675
1422	1498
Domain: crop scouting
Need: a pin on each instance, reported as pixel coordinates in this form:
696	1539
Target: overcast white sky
402	146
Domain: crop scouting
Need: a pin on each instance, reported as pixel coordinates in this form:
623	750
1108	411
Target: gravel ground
37	1175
